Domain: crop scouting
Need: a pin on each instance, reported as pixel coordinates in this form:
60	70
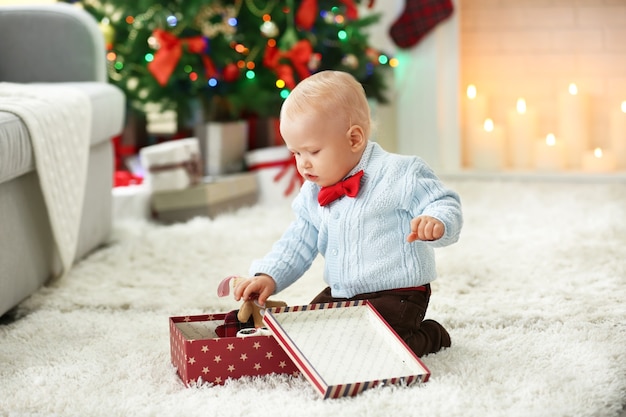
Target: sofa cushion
108	110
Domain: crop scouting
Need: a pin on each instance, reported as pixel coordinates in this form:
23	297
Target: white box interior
352	344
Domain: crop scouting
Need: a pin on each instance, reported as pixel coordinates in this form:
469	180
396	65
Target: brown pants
404	310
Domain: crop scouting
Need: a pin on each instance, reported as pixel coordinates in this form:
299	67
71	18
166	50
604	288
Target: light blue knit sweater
363	239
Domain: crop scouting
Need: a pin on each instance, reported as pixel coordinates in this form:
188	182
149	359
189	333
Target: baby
374	216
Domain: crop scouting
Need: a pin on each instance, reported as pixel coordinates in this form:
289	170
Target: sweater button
334	252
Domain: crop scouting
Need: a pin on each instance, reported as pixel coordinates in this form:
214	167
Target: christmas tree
233	57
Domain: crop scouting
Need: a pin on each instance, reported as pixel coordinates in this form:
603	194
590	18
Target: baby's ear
356	136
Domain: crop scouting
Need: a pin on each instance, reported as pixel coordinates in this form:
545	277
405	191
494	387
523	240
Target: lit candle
574	124
598	161
617	127
488	150
549	154
521	129
476	106
475	113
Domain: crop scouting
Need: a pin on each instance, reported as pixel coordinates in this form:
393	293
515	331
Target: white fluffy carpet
533	296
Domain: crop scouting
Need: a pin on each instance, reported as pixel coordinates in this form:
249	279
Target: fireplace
517	54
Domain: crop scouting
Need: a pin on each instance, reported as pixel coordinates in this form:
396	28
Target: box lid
344	348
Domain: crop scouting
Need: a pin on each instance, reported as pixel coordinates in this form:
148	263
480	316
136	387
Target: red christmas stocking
417	19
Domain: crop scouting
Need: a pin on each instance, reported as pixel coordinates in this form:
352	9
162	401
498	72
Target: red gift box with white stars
199	355
342	348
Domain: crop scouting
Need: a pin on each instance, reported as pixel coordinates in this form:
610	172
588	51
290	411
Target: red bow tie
350	187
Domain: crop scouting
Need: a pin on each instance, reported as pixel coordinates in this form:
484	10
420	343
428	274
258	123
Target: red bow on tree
170	51
307	13
298	56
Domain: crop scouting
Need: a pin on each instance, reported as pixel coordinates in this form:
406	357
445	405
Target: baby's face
322	148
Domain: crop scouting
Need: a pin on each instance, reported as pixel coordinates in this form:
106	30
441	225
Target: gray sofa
54	43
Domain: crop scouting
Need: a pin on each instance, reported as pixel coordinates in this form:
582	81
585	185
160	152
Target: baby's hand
425	228
259	287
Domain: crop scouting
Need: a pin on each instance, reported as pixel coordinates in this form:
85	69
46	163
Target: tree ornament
108	32
153	43
372	54
132	83
269	29
205	20
230	73
314	62
329	17
350	61
306	14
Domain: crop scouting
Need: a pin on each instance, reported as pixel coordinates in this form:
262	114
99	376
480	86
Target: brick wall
535	48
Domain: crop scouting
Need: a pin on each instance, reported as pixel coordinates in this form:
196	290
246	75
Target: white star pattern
215	363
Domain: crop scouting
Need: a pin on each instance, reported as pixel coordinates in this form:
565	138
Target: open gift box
341	348
199	355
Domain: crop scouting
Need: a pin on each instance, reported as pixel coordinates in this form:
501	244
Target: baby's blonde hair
332	95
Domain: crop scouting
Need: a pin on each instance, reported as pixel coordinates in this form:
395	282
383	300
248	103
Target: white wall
424	117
